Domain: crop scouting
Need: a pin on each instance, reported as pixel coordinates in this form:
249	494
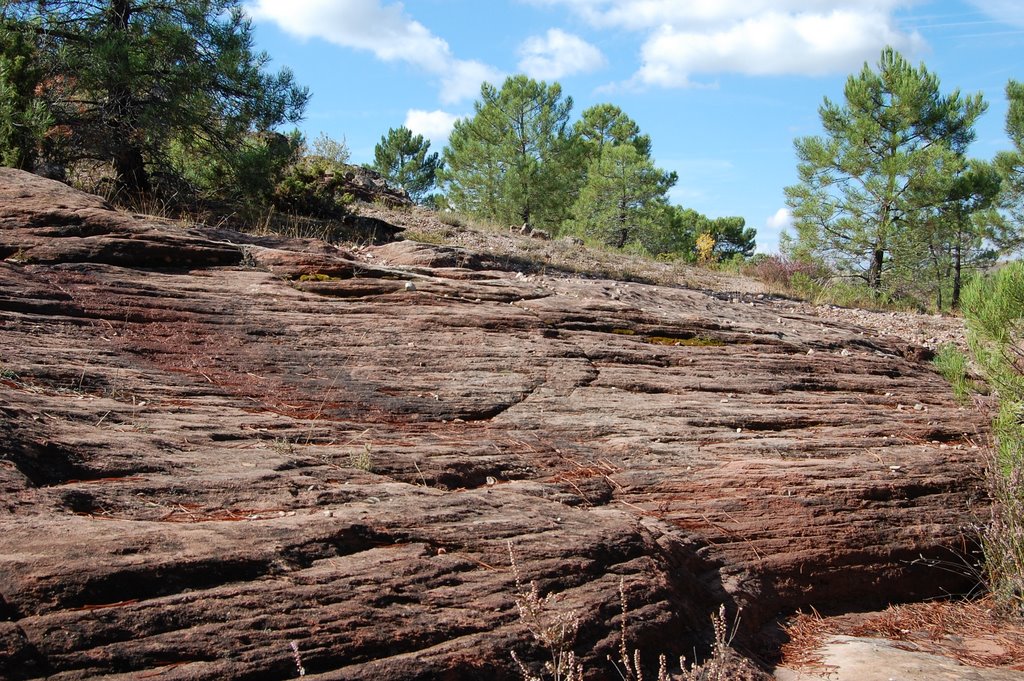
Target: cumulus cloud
558	54
385	30
1007	11
646	14
686	40
780	220
771	44
774	226
434	125
462	80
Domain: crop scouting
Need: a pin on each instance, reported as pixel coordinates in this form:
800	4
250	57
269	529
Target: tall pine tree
403	158
128	77
857	185
623	197
512	161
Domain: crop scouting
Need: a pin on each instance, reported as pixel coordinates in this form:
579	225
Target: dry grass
972	632
554	630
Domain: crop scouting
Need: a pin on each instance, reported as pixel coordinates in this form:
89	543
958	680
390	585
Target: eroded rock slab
214	446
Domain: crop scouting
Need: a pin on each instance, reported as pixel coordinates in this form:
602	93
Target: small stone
918	407
409	286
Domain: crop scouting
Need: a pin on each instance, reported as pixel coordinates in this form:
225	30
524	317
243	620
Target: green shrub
952	364
994	314
313	187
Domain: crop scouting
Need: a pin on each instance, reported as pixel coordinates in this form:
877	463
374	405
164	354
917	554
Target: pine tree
23	117
403	158
857	182
128	77
511	162
606	125
623	199
956	230
623	196
1011	163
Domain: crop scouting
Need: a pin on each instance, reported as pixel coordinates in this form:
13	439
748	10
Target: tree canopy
403	158
623	198
123	79
511	161
859	182
1011	163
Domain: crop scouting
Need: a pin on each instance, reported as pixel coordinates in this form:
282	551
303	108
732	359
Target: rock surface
847	658
215	446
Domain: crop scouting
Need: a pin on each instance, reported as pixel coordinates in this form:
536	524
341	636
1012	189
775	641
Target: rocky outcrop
215	446
366	184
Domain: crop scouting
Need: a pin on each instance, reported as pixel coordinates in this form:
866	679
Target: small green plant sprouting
952	364
19	257
283	446
317	276
362	459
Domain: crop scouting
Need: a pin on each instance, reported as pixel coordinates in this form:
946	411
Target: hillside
216	445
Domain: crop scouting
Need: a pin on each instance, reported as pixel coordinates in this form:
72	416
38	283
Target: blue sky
721	86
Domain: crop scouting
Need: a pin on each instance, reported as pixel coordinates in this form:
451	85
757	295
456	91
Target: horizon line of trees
171	98
520	160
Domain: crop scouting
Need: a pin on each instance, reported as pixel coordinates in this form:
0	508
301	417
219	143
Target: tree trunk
129	164
875	272
957	264
131	169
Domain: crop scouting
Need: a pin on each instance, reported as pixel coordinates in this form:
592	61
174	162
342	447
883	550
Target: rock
215	445
367	184
848	658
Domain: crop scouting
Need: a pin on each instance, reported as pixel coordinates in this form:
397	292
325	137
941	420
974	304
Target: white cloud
774	226
648	14
1007	11
462	80
687	40
434	125
558	54
385	30
771	44
780	220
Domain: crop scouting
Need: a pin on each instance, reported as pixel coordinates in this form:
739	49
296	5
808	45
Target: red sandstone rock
206	456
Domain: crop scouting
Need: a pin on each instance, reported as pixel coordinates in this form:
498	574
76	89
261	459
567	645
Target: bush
314	184
994	314
785	273
952	364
